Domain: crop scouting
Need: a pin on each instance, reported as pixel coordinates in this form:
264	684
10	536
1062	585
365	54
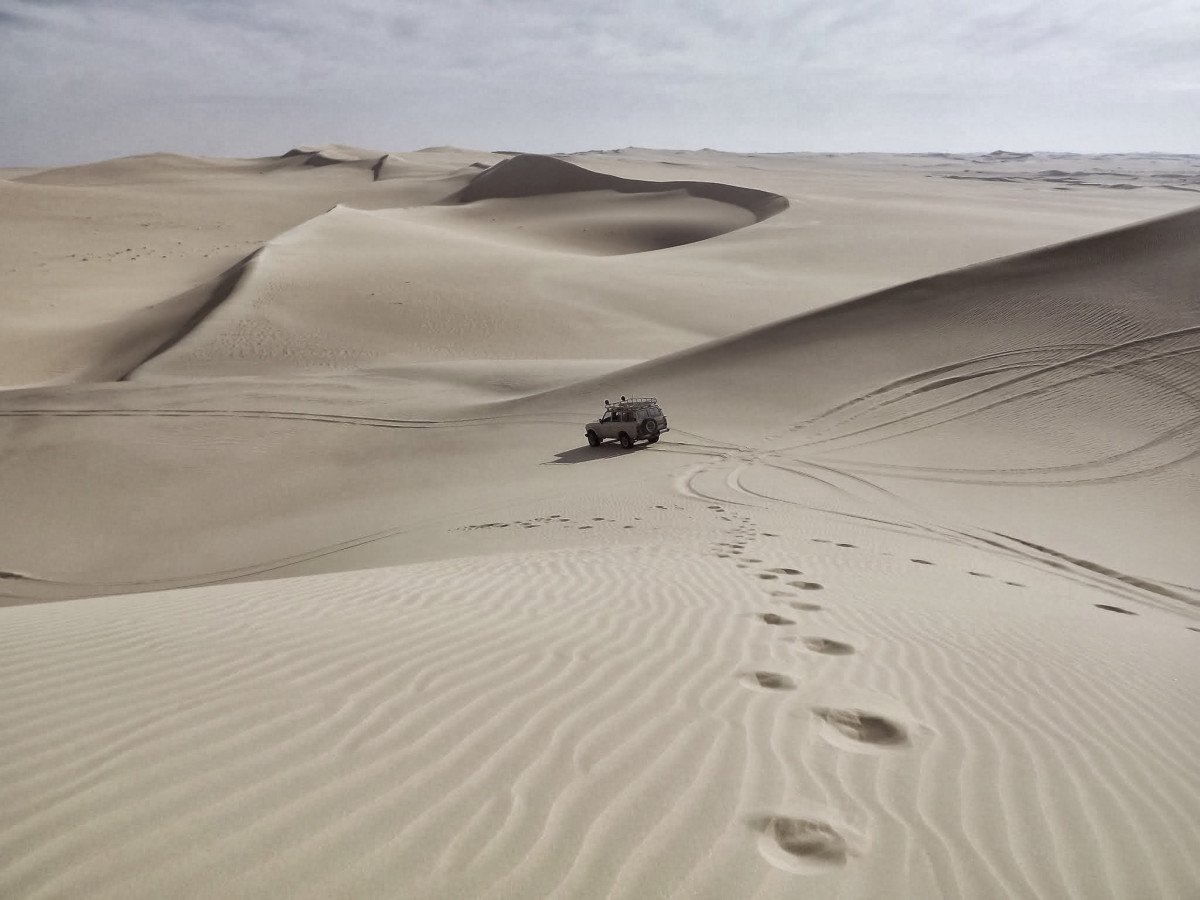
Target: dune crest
531	175
557	205
148	168
330	154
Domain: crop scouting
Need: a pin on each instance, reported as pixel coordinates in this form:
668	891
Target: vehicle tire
651	426
653	439
625	440
593	440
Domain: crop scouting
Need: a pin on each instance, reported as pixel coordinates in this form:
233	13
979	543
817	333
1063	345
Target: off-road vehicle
639	419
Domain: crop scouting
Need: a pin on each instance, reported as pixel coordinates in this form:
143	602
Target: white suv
639	419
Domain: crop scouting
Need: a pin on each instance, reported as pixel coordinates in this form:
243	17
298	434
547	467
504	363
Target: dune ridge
529	174
197	305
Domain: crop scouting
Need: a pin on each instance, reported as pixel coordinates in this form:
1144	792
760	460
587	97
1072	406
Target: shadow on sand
589	454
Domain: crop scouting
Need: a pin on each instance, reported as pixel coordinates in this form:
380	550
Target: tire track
984	393
879	398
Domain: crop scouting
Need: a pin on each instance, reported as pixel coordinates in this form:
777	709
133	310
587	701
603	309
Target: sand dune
557	723
147	169
529	175
904	604
271	312
94	254
1032	354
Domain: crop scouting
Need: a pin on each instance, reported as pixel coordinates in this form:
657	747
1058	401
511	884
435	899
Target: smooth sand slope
903	605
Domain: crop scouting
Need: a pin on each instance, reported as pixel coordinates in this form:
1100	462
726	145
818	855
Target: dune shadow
590	454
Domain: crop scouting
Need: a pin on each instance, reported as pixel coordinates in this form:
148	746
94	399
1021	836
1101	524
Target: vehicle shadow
589	454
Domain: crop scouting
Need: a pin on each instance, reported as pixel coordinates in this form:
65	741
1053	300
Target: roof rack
631	402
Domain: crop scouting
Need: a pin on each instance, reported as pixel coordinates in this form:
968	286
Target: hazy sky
82	80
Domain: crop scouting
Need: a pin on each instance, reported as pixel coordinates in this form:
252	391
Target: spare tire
651	426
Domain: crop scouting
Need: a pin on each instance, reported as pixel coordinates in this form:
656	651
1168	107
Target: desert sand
310	585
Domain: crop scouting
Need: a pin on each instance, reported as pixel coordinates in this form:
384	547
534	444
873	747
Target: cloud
91	78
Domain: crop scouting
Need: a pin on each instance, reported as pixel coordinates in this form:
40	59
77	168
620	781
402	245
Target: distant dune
310	585
528	175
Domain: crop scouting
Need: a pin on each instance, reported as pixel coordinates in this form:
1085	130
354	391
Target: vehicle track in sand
849	425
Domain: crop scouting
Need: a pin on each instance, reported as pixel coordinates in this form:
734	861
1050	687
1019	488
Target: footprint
854	546
773	619
788	571
980	574
753	560
806	585
864	727
766	576
1014	584
808	837
770	681
923	562
800	844
1115	609
827	646
804	607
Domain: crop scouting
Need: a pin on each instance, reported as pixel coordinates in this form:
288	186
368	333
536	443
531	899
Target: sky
84	80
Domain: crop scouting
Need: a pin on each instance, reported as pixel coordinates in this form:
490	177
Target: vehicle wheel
651	426
653	439
592	439
625	441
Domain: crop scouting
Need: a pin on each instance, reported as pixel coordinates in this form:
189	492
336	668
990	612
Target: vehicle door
607	427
